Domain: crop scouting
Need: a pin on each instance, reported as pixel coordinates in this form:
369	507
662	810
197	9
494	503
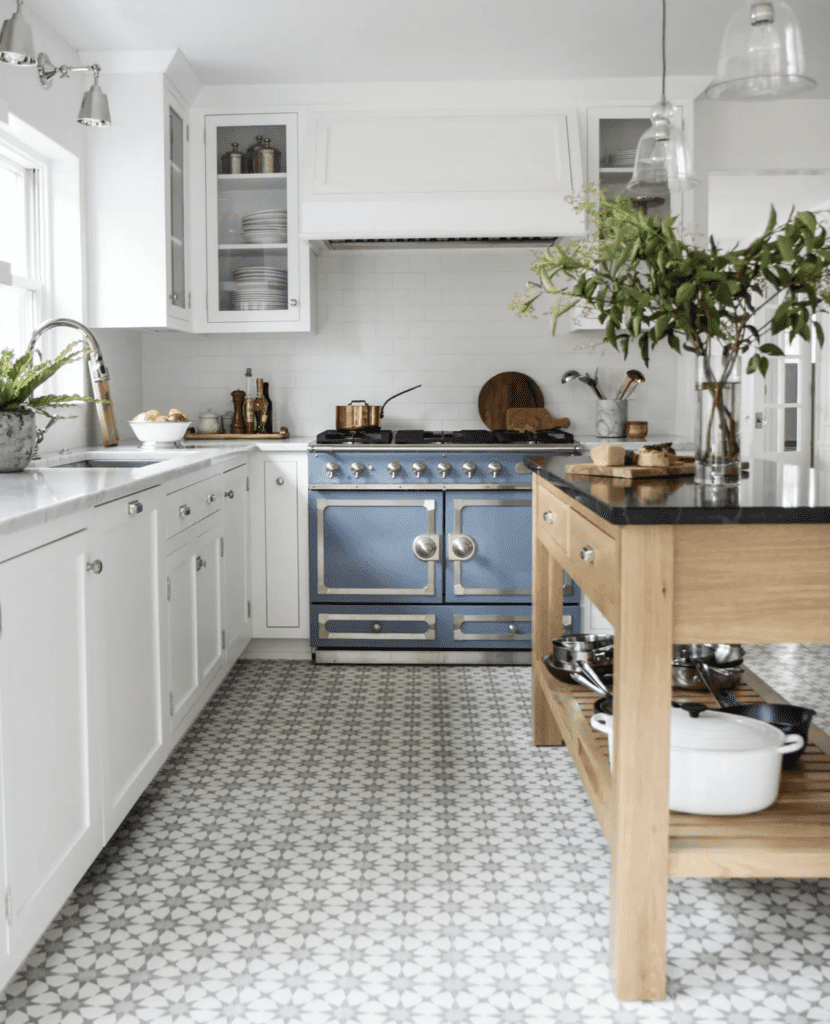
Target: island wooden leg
642	703
547	613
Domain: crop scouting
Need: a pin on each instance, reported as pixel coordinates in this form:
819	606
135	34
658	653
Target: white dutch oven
719	764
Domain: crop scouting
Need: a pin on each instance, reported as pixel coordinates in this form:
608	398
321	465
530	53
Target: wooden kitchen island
668	561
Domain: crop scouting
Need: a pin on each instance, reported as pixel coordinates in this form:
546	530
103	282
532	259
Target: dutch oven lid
710	730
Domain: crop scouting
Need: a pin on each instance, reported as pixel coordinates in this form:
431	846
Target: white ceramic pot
18	439
716	768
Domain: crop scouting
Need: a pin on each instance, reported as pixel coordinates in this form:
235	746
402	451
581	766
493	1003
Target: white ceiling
271	41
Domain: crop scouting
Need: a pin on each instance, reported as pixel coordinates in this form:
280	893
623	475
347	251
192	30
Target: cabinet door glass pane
177	284
252	217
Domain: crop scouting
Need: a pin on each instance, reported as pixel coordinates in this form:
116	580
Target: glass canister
232	161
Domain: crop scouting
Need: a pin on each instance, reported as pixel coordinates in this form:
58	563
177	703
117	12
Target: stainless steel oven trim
458	587
427	591
459	620
325	617
434	486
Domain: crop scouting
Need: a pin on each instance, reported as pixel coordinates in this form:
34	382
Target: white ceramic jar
719	764
209	423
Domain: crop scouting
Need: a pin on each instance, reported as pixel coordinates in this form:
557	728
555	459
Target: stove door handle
427	547
461	547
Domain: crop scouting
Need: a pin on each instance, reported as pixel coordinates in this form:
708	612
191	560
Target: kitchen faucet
98	373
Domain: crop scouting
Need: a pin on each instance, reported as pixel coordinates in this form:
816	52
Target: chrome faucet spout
98	372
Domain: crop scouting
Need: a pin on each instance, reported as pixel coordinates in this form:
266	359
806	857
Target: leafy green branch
21	376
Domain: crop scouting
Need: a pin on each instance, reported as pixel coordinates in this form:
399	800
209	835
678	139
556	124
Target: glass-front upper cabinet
177	296
251	191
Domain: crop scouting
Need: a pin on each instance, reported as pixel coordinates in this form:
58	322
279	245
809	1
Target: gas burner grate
422	437
552	436
346	437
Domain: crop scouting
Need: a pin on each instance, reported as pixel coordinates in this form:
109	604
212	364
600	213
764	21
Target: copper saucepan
359	415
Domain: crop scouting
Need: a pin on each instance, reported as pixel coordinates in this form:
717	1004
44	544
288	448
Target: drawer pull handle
200	563
425	547
96	566
462	547
376	627
548	516
587	554
184	510
134	507
211	498
228	494
280	481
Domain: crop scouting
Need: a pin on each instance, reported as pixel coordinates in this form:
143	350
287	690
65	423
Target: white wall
387	321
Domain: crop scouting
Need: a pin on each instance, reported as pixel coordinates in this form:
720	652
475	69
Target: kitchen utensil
580	673
632	378
508	390
686	676
359	415
533	420
789	718
705	752
593	383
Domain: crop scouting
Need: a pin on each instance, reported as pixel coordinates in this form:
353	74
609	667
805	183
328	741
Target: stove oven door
376	546
488	546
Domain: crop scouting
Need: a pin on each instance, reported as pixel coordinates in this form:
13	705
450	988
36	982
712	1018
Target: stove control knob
444	468
419	468
394	468
332	469
469	468
357	468
494	468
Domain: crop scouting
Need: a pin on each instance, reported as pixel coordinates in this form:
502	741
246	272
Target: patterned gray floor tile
373	844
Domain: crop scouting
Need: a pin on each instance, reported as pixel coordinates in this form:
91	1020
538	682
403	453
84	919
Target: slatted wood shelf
790	839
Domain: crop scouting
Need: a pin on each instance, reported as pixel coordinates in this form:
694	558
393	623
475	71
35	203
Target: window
22	247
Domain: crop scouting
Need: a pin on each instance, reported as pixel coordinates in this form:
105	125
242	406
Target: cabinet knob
184	510
174	297
425	547
548	516
134	507
280	481
462	548
292	302
587	554
97	566
200	563
211	498
228	494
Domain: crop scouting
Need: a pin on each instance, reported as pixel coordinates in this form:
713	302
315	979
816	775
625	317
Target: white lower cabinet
236	560
124	649
279	541
51	806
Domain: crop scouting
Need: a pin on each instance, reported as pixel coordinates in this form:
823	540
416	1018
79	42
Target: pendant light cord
663	81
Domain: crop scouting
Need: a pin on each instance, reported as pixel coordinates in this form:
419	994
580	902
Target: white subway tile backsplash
389	320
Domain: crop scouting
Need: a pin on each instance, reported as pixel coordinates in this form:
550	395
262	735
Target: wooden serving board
684	468
507	391
191	435
533	420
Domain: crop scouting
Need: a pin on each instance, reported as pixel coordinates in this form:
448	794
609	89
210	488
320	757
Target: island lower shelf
791	839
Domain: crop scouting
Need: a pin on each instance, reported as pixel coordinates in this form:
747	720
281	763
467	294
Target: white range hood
414	180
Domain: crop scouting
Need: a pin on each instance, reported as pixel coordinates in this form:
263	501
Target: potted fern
648	286
20	377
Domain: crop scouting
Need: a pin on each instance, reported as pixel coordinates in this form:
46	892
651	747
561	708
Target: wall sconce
17	47
95	109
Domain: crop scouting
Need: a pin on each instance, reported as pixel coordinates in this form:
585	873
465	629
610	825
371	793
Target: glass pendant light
761	54
17	45
662	163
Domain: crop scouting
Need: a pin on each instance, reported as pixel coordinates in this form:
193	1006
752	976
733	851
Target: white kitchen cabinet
138	208
236	561
50	790
279	541
124	603
256	272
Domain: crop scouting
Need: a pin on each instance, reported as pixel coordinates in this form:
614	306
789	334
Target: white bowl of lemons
154	427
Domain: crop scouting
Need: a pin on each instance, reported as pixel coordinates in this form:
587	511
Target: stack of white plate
260	288
265	226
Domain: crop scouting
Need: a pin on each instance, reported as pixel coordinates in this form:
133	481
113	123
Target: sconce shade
761	54
95	110
661	163
17	45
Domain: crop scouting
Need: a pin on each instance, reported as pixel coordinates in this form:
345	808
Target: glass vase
717	428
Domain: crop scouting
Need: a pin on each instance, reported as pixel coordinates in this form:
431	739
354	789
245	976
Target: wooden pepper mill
238	422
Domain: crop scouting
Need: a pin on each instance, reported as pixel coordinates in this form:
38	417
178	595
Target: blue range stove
421	545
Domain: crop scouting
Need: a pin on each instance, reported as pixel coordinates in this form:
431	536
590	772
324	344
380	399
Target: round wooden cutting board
507	391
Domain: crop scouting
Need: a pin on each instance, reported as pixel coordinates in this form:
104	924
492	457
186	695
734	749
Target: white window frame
36	283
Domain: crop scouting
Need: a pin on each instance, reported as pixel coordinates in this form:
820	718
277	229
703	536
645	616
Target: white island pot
716	768
18	439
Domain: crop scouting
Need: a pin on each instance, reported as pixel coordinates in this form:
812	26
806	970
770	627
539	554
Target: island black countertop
769	492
